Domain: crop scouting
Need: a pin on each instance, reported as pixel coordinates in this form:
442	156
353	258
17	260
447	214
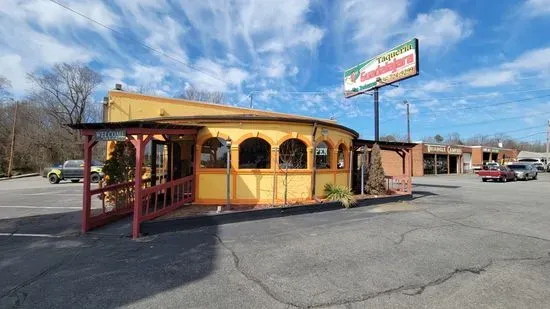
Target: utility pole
548	146
408	122
10	161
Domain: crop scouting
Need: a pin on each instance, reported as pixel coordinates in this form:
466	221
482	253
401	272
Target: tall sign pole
396	64
548	146
408	122
12	147
376	116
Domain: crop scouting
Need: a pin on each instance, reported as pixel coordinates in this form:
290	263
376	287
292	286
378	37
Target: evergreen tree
376	182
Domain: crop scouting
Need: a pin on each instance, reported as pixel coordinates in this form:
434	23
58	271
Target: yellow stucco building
272	155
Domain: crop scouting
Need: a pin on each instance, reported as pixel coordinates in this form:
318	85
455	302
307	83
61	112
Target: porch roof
383	144
137	124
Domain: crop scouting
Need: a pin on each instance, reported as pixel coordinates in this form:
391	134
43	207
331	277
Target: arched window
293	154
254	152
341	157
214	153
322	156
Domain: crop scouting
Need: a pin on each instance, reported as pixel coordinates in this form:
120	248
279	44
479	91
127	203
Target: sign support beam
376	116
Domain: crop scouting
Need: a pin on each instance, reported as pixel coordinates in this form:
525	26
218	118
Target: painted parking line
53	193
30	235
40	207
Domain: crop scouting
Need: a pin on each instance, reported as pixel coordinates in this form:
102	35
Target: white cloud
276	68
50	15
25	49
536	7
533	60
441	28
370	23
435	86
489	78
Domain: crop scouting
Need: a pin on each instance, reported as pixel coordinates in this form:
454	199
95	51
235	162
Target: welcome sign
394	65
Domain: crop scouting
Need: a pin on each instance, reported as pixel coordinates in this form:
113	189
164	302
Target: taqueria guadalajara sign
397	64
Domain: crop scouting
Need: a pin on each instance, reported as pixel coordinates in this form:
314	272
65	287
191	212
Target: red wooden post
138	144
87	197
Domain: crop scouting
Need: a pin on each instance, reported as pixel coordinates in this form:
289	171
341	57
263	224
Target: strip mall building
437	159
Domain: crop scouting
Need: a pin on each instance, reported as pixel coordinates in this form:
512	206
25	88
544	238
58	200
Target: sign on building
394	65
111	135
443	149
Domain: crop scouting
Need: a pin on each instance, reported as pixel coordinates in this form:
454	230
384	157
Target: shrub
376	181
341	194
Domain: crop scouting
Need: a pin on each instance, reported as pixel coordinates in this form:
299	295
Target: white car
539	164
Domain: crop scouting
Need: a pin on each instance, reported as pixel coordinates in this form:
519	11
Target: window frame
223	143
344	165
305	158
328	155
269	155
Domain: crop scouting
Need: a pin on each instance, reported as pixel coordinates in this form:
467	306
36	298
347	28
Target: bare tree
65	91
5	85
292	155
394	138
194	94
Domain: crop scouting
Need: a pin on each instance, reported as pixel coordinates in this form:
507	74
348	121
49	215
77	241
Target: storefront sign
394	65
321	151
443	149
111	135
491	150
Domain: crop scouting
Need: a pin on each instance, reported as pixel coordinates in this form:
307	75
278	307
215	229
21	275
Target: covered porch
396	160
155	164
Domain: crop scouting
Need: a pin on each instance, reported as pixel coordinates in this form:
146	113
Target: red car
497	173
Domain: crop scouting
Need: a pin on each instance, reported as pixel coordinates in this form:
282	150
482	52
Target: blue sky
484	65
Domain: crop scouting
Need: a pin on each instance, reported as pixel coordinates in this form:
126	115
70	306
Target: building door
453	164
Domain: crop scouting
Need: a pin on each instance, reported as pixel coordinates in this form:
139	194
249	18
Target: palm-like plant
341	194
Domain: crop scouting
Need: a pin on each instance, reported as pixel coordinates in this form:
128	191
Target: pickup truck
497	173
73	170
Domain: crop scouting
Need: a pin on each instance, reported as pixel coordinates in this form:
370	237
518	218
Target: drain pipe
313	167
350	178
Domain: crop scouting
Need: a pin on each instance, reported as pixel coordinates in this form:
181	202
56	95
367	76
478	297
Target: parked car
524	171
73	170
497	173
538	163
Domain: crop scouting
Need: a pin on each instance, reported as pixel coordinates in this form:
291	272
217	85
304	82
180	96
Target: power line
533	134
488	94
474	107
517	130
486	121
138	42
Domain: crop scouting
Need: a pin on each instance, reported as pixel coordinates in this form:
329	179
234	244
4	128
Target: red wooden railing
399	184
164	198
115	201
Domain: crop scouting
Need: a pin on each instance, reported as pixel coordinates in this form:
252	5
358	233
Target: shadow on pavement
420	194
61	223
101	272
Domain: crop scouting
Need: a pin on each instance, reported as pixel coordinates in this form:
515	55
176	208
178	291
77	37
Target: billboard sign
397	64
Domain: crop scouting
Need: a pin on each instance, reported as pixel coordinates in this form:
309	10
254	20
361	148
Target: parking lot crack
249	277
482	228
404	234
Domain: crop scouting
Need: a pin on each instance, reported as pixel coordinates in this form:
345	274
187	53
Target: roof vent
118	86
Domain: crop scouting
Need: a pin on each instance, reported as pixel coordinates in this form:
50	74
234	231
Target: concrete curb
181	224
20	176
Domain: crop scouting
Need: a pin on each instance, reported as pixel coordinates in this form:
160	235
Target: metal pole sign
396	64
111	135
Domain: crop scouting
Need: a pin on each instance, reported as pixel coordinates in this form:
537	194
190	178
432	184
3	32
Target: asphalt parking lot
460	243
